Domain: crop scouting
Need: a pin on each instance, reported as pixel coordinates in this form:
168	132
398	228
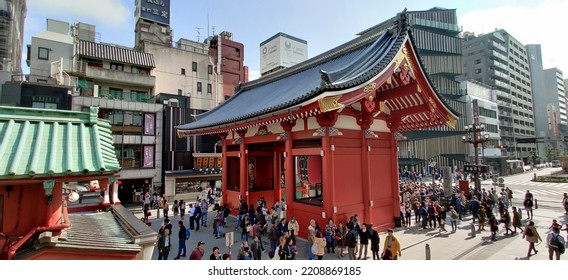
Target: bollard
472	230
535	204
428	256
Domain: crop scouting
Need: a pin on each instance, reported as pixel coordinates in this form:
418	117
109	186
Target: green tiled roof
51	143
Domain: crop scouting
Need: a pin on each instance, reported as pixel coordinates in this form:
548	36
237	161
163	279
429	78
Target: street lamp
474	137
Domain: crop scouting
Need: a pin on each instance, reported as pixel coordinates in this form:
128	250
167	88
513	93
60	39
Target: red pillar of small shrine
394	183
243	159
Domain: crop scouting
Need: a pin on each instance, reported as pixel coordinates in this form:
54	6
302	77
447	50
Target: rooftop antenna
198	33
207	25
213	30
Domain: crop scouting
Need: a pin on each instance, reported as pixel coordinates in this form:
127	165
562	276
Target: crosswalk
537	188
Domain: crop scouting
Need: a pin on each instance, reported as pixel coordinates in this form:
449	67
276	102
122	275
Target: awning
428	134
456	157
410	161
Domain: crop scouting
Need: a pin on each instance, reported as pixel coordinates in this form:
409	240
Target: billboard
282	50
154	10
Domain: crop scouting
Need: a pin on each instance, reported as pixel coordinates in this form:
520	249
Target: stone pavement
414	240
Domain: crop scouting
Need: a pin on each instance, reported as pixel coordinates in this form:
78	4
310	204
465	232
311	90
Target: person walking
391	248
182	209
175	209
198	252
340	239
482	217
454	216
165	208
182	236
516	220
565	203
311	238
493	227
294	228
530	234
442	216
204	209
555	242
363	242
219	218
191	214
164	245
375	244
197	215
330	230
528	204
273	237
350	242
256	248
320	243
506	220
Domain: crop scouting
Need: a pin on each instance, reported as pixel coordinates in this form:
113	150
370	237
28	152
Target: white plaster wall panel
379	126
347	122
275	128
251	131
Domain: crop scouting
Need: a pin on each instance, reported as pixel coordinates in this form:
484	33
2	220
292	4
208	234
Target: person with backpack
530	234
350	242
555	243
454	216
183	235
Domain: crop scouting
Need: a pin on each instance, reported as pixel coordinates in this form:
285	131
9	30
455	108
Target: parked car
556	163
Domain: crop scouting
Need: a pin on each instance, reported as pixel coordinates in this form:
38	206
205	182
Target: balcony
499	56
497	46
118	95
500	65
116	76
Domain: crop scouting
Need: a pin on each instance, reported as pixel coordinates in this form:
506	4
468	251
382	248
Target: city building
437	38
499	60
483	111
12	17
326	145
192	77
281	51
114	78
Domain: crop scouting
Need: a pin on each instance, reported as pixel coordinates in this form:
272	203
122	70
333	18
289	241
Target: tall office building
437	37
12	17
499	60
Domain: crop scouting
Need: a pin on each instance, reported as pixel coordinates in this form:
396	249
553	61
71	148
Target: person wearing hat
555	242
198	252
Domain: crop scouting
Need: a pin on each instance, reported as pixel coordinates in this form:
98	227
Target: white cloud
104	12
543	23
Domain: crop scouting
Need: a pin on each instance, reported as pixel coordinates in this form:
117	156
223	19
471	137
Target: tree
551	153
534	157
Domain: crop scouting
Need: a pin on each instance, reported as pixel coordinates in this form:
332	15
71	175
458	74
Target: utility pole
474	137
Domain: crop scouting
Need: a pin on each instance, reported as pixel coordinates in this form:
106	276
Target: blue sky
324	24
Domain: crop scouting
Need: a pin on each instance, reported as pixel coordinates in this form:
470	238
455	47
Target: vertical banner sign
149	124
148	157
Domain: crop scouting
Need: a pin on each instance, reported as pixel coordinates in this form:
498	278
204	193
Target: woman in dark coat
375	241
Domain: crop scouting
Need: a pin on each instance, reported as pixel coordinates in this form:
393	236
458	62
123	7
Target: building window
140	70
183	71
308	179
149	124
117	66
194	66
477	61
209	88
478	71
209	69
43	105
41	81
129	156
180	92
43	53
198	86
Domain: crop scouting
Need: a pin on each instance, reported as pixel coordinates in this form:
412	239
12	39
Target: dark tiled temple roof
42	142
346	66
115	54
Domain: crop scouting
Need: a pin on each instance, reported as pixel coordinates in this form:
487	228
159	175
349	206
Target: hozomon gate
321	133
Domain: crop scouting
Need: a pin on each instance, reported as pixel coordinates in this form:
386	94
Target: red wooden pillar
364	120
224	173
243	164
394	176
327	120
289	163
277	193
